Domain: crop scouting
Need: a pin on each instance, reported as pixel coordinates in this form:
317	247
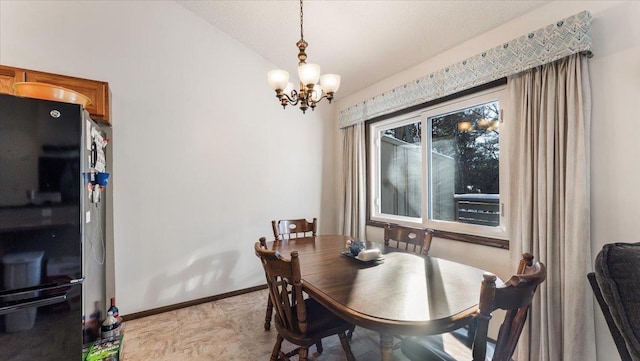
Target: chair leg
399	344
344	341
319	346
350	332
275	355
471	333
303	354
267	317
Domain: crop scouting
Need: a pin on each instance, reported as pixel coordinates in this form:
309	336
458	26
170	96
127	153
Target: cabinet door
8	76
97	91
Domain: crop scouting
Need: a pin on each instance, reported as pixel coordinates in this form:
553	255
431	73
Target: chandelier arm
314	102
294	99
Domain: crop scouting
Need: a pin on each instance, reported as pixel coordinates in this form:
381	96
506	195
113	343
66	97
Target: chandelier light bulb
278	79
316	94
289	88
330	82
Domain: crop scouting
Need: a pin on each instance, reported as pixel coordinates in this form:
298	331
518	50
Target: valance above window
565	37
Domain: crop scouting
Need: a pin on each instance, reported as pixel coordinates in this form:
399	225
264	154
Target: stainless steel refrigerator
52	229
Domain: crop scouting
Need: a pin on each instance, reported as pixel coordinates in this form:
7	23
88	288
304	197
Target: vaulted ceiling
363	41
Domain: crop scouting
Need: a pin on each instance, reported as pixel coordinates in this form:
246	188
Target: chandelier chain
301	20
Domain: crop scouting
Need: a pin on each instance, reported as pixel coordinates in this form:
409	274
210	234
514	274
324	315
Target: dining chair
514	296
288	229
466	334
301	321
294	228
415	240
269	313
616	285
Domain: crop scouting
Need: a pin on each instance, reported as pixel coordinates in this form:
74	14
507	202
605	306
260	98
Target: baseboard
178	306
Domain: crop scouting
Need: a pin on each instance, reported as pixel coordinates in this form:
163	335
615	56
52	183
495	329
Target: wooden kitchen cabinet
97	91
8	76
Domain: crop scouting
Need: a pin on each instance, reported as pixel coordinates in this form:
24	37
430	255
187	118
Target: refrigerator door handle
38	302
45	287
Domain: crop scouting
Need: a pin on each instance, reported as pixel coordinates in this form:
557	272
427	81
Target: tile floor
232	329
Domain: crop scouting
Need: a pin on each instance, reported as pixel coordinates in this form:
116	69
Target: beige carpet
232	329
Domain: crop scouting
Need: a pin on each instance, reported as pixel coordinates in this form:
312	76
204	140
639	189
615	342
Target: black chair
615	333
616	285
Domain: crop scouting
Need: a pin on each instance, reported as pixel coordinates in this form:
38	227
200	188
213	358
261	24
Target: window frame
494	236
374	188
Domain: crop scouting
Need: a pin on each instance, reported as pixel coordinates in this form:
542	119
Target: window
440	167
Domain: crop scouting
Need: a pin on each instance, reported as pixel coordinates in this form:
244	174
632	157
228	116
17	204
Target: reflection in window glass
464	171
401	170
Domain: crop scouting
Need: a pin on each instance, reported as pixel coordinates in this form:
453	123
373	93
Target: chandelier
313	87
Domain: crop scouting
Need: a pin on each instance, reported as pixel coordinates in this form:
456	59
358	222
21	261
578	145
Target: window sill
484	241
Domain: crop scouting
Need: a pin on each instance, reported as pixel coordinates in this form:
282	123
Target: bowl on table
356	247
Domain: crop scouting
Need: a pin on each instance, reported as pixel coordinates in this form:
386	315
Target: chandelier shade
309	73
313	86
278	79
330	82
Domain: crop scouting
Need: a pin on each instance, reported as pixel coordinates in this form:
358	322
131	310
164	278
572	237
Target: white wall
615	149
203	156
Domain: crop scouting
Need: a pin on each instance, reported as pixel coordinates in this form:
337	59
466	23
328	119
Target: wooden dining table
402	294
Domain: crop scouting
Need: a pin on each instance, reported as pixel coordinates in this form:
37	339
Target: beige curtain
353	190
549	125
